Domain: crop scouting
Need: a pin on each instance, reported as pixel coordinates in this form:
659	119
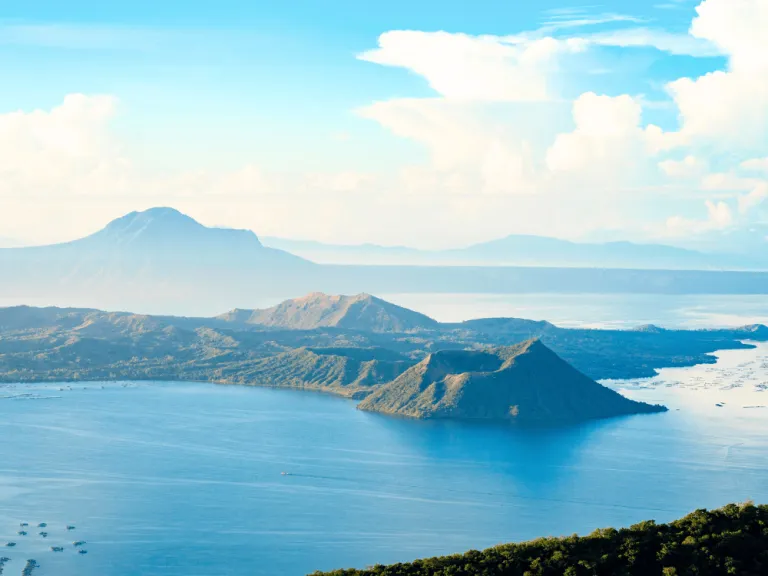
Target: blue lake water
185	479
596	310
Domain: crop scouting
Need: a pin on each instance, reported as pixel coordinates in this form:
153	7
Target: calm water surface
595	310
185	479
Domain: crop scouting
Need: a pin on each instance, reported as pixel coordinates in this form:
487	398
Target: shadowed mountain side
526	383
360	312
203	355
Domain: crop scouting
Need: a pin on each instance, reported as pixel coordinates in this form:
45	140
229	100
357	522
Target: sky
430	124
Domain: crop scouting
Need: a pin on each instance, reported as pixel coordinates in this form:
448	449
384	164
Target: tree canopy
730	540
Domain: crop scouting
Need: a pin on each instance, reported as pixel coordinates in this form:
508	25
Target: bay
186	479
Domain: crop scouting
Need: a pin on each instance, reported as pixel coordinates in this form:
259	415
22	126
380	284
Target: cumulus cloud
467	151
608	147
505	150
750	192
753	198
475	68
755	165
607	135
688	167
719	217
728	108
66	150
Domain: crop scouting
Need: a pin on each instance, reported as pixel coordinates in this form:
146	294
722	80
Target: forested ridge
730	540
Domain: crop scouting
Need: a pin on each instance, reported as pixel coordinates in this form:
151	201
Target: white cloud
727	181
728	108
579	18
67	150
750	192
504	150
467	152
754	198
475	68
678	44
719	217
608	142
688	167
755	165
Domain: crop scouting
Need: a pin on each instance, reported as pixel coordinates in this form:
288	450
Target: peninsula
361	347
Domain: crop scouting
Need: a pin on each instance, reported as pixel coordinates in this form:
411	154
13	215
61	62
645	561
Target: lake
595	310
185	479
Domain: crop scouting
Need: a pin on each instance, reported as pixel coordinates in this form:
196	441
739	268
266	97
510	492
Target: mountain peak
318	310
163	225
522	383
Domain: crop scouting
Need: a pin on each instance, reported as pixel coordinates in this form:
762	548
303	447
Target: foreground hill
317	310
731	540
526	383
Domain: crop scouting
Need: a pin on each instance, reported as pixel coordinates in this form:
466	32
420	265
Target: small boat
284	474
44	534
11	544
21	533
82	551
78	543
57	549
70	527
42	525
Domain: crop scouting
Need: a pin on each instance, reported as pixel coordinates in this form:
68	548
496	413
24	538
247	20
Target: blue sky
200	93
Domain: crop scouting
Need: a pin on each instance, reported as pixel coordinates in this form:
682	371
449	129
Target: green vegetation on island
729	541
526	383
352	346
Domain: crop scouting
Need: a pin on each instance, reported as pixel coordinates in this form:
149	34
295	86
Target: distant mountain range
163	261
525	383
526	250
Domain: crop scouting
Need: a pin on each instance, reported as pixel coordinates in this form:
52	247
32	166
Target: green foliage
731	540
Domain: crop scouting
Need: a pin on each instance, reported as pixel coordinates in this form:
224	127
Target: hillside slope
523	383
731	540
317	310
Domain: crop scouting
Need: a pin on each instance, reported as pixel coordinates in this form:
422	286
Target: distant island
730	540
394	359
526	383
